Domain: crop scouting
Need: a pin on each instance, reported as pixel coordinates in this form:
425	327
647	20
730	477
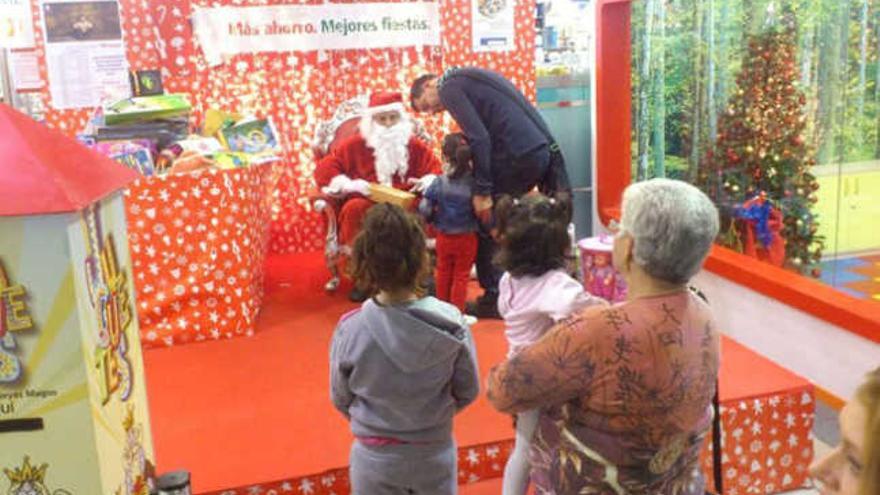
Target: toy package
600	277
204	145
142	108
139	160
253	136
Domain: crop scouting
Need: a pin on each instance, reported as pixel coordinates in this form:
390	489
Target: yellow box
386	194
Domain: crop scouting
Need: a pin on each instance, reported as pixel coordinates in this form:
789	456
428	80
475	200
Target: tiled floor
856	276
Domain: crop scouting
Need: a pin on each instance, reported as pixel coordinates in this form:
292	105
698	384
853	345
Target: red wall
296	89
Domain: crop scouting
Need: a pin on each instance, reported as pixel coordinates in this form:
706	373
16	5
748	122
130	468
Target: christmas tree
760	147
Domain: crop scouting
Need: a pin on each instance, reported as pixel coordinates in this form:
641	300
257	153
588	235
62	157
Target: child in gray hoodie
401	366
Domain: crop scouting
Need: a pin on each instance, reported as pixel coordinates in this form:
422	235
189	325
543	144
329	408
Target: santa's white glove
358	186
336	186
421	184
342	185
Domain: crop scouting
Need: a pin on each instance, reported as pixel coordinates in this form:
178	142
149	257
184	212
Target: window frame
613	128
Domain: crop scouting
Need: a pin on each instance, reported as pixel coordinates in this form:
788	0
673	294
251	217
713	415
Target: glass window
773	109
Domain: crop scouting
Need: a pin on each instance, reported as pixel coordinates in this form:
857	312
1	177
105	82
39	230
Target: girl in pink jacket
534	293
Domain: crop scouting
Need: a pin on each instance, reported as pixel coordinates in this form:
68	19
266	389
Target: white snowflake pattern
306	486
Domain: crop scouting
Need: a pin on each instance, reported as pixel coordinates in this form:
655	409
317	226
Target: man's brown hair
389	253
418	89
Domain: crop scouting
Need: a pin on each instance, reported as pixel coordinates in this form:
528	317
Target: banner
16	24
226	31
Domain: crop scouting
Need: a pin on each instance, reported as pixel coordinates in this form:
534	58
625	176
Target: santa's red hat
385	102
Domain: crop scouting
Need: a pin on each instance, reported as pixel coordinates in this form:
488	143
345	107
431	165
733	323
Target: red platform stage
253	415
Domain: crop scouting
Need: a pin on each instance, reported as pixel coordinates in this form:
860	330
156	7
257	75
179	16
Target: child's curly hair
533	234
389	253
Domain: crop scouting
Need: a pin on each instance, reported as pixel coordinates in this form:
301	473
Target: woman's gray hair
673	225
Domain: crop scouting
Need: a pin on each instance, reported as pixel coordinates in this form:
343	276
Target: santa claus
384	151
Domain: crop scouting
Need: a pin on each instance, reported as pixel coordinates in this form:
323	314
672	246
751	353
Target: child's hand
421	184
482	204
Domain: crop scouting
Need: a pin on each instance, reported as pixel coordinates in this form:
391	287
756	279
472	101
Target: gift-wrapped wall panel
295	89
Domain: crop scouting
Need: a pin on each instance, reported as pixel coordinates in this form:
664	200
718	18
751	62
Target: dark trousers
515	178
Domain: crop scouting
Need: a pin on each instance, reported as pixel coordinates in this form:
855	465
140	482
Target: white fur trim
396	106
339	182
365	125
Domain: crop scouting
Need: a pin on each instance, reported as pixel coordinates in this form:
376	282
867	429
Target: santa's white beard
390	148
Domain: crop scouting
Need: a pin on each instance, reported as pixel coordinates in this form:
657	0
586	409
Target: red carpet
253	410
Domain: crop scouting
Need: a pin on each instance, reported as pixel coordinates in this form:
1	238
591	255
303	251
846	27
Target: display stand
198	244
73	405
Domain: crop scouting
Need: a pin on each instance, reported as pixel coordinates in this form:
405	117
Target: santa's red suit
354	159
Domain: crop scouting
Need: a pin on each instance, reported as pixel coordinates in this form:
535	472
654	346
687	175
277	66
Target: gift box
599	276
386	194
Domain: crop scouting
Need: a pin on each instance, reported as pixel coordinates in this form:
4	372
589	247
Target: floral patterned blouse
626	397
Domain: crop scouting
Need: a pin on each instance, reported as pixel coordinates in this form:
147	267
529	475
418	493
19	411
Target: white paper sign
226	31
492	25
85	53
25	69
16	24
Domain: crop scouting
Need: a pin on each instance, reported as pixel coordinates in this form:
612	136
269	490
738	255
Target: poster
492	24
16	24
226	31
85	53
25	68
73	409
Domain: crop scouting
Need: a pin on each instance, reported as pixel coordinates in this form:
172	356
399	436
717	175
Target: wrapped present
386	194
190	161
600	277
218	119
761	229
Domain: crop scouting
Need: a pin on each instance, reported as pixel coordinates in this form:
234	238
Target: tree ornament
797	262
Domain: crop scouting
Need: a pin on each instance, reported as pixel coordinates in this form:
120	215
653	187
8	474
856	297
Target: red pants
351	216
455	256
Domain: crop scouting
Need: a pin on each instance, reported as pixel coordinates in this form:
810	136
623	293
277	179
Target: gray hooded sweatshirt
403	371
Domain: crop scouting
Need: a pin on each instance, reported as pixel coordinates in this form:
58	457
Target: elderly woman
853	467
626	390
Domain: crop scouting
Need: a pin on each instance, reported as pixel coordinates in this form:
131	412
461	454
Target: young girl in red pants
448	207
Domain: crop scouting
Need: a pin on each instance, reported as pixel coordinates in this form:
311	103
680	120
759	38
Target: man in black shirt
511	145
